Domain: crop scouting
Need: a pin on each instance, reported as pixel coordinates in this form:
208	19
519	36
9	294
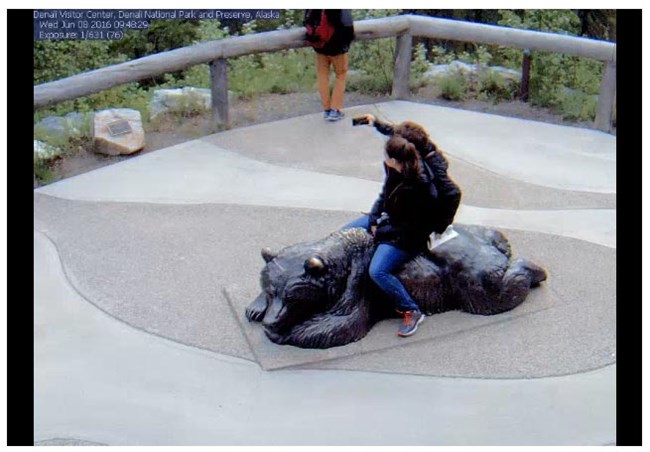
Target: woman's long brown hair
414	133
405	153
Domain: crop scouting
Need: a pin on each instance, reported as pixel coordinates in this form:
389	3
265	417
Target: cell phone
360	120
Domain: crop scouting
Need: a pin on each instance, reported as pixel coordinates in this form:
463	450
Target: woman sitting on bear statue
398	226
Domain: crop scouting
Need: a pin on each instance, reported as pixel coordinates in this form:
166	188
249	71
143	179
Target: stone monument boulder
118	131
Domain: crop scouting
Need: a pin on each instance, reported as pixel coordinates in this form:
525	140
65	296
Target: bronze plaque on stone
120	127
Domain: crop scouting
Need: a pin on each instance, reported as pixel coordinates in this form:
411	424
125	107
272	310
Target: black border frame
20	310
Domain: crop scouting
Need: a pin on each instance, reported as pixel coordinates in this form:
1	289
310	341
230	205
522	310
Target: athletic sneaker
326	114
335	115
410	324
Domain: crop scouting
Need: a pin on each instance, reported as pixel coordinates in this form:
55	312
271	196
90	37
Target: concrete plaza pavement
143	269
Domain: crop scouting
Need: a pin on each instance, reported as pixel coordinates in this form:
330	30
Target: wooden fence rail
403	28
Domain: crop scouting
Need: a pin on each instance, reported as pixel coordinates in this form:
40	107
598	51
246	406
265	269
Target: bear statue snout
274	329
272	320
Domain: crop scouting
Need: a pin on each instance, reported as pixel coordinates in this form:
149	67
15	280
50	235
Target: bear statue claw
255	311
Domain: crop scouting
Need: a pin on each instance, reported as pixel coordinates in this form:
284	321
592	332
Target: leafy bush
280	72
209	30
375	59
42	170
579	106
124	96
72	138
480	56
440	55
493	85
419	66
54	60
453	87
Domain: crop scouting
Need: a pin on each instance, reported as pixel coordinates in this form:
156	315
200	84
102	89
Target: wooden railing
404	28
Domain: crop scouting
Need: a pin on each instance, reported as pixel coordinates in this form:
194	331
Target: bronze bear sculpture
318	294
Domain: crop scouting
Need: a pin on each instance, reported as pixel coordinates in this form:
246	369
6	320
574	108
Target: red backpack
318	32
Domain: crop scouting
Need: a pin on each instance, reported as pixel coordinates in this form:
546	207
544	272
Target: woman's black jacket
405	201
448	192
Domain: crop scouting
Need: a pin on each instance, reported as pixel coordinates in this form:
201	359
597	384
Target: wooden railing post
525	76
606	98
219	86
402	68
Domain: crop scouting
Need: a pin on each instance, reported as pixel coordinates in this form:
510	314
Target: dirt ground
169	131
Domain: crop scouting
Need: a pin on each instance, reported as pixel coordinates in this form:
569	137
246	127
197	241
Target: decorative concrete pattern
101	380
142	270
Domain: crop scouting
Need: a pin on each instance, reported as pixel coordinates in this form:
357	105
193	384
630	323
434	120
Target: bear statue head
295	290
302	286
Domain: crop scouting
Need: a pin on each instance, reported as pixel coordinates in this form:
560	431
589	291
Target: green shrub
43	171
54	60
197	76
584	74
419	66
210	30
279	72
494	86
577	105
124	96
375	59
453	87
480	56
439	55
72	139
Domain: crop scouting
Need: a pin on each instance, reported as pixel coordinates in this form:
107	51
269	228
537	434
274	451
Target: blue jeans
361	222
386	260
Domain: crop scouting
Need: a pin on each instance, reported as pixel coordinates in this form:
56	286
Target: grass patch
43	170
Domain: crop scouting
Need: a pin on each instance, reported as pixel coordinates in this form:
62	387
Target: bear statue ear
268	255
314	265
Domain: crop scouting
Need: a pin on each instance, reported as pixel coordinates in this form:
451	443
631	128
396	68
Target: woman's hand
370	118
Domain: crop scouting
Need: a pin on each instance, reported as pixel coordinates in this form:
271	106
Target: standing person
396	223
448	193
330	32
